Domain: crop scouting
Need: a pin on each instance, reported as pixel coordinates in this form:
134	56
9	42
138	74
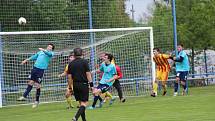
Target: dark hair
52	45
110	56
157	49
181	45
77	52
71	54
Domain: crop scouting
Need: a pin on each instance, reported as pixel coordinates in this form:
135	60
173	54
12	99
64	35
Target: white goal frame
76	31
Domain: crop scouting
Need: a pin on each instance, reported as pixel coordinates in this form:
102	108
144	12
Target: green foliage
195	23
195	27
162	27
58	14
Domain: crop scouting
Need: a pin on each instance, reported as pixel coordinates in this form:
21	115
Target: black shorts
81	91
103	87
182	75
36	74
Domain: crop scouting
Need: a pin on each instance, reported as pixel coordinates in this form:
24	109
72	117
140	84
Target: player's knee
177	79
84	104
183	83
96	92
31	82
37	86
67	95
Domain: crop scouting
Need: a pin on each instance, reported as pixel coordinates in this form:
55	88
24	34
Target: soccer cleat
104	101
69	107
90	107
74	119
123	100
184	92
36	103
175	94
164	93
21	99
153	94
111	101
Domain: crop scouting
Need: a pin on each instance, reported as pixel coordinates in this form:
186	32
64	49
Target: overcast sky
140	6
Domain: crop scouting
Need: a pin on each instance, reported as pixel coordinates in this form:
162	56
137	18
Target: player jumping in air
42	59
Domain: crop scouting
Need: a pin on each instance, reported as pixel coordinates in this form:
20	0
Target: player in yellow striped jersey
162	70
69	89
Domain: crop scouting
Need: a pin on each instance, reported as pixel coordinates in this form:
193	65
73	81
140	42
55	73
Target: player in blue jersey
182	69
42	59
107	80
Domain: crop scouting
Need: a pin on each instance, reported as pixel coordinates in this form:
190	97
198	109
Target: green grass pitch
199	105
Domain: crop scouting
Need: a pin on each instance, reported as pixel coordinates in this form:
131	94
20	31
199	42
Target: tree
161	22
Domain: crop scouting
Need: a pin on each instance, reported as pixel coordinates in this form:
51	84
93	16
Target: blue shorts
182	75
103	87
36	74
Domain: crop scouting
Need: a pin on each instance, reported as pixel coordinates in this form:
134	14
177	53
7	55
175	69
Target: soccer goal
131	47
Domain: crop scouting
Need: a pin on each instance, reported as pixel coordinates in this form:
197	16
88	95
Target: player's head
180	47
108	58
71	56
156	51
102	55
77	52
50	47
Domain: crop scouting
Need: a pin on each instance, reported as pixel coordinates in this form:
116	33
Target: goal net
131	47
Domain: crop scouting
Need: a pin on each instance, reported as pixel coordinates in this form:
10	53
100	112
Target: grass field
199	105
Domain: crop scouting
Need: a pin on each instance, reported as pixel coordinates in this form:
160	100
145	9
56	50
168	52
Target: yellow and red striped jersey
162	63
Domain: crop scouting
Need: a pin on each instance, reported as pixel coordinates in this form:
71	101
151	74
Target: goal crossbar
75	31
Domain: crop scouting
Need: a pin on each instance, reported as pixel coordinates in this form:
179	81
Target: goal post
131	47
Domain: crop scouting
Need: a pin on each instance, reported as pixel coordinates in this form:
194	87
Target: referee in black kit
80	76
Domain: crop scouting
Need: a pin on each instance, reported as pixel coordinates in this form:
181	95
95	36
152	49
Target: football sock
69	101
28	89
38	94
80	111
83	116
95	101
108	94
155	87
175	87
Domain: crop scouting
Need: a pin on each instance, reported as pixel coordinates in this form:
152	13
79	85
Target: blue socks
38	94
176	86
28	89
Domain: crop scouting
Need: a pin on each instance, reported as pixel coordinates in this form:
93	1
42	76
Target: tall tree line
62	14
195	24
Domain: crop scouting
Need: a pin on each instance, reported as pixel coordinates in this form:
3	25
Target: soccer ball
22	21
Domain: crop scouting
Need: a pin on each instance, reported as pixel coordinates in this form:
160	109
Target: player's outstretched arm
49	53
62	75
24	61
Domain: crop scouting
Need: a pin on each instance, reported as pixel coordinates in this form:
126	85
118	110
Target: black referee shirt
78	68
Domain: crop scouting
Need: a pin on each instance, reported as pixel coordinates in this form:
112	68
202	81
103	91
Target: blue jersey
108	72
42	59
184	65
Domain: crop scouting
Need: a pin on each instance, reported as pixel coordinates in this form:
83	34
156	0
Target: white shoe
175	94
21	99
36	103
